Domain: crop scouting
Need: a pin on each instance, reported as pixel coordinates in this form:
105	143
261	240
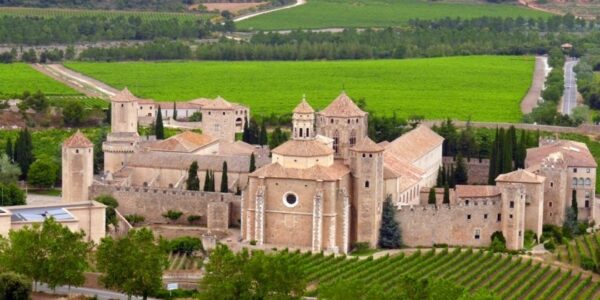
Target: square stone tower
77	168
123	139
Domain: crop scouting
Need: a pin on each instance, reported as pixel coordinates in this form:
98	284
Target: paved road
100	294
246	17
570	94
537	85
87	85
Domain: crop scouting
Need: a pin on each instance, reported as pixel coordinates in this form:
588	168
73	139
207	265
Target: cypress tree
446	195
23	152
451	175
507	153
460	174
207	181
109	114
252	163
493	160
444	177
522	151
431	199
9	149
512	132
389	233
224	179
159	129
98	153
175	111
212	181
500	153
440	177
192	182
246	133
263	138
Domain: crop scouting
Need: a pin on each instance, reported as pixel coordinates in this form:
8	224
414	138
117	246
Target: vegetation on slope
377	13
477	87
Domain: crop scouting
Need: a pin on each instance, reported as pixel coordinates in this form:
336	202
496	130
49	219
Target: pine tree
460	174
263	138
431	199
389	233
10	149
252	163
159	129
446	195
224	179
175	111
23	152
192	182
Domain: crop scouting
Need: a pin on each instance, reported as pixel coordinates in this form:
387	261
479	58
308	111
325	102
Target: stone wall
477	170
453	225
153	202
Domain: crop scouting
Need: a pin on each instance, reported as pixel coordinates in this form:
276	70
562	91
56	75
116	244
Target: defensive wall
216	210
469	225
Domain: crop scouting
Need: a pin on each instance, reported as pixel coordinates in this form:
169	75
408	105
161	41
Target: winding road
252	15
569	100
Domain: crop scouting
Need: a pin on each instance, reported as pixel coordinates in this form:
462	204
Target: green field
59	12
377	13
509	277
16	78
485	88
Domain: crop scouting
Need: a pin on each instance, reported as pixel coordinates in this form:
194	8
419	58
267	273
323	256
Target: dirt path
84	84
252	15
532	5
537	85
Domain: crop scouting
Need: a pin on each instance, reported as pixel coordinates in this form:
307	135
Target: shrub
550	245
253	242
183	245
14	286
134	219
361	247
193	219
172	215
498	242
440	245
552	232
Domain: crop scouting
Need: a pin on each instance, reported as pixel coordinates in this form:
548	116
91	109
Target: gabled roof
520	175
187	141
332	173
124	96
575	154
303	108
415	144
396	167
342	106
218	103
367	145
303	148
477	191
78	140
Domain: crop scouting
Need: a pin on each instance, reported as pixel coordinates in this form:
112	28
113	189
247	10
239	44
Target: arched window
580	181
300	132
336	139
574	181
307	132
353	137
588	182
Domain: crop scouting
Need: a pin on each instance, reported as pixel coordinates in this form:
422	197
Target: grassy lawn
16	78
378	13
485	88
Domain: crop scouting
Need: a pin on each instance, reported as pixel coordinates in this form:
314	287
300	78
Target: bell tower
303	121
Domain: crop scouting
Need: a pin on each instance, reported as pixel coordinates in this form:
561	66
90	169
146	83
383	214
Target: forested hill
159	5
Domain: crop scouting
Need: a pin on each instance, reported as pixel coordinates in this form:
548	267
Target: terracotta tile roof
304	108
78	140
477	191
520	176
415	144
182	161
201	101
332	173
219	103
342	106
187	141
575	154
395	167
237	147
367	145
303	148
124	96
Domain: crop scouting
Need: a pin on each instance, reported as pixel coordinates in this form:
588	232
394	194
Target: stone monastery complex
324	189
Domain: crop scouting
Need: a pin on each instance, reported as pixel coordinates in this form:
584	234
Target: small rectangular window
499	218
485	216
574	170
512	204
468	217
510	216
550	204
477	234
587	203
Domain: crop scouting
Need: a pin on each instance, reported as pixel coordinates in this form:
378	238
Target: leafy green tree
133	264
36	101
498	242
446	195
10	149
111	207
389	233
49	253
431	199
193	182
14	286
252	163
159	129
24	151
11	194
224	179
9	172
43	173
73	113
460	173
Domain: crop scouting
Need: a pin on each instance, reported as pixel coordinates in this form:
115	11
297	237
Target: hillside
378	13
